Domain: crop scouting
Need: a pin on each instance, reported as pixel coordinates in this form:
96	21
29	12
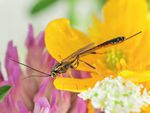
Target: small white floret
117	96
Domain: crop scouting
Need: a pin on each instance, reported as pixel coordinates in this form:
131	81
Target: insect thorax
61	67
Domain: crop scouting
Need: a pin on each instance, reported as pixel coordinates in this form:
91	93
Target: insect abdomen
113	41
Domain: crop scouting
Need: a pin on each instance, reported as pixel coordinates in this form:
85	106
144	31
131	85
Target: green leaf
4	91
72	13
41	5
148	1
101	3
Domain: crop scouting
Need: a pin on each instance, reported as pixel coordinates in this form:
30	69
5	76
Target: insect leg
76	63
87	64
97	53
70	74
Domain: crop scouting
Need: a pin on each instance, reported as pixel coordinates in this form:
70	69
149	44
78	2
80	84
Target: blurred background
16	15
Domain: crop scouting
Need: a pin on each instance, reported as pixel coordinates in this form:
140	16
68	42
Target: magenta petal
12	68
30	37
48	60
42	89
80	106
13	72
8	105
85	74
1	75
36	94
42	106
43	102
22	108
41	42
54	97
64	101
80	74
35	53
54	102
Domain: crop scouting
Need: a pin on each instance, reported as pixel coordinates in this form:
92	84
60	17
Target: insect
72	61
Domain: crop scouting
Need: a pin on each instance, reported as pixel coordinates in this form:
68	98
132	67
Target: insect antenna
133	35
30	68
34	76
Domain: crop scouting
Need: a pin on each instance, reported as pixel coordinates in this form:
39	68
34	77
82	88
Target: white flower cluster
117	96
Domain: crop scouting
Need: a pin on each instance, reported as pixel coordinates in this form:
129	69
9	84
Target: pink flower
37	94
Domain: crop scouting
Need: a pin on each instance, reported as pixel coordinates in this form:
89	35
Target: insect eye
53	74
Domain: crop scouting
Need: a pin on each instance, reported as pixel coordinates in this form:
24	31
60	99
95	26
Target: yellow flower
129	59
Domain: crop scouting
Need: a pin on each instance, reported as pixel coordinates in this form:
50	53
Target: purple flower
36	94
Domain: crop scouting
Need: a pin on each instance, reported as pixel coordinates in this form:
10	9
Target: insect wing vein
78	52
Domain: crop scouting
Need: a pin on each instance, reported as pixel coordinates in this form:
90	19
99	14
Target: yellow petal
130	16
126	14
138	77
61	40
74	84
146	109
90	107
124	19
140	56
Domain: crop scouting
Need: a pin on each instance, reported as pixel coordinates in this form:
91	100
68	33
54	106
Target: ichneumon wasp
72	61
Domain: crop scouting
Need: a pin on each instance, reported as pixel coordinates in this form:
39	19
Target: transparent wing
79	51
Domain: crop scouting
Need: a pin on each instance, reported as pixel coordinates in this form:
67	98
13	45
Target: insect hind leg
97	53
76	64
87	64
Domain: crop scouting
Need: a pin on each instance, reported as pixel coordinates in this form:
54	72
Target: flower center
115	60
